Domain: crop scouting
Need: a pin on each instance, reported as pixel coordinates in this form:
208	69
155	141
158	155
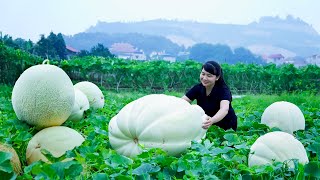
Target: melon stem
46	61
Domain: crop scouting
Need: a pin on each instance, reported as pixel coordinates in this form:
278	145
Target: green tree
8	41
42	47
204	51
244	55
83	53
24	45
60	47
53	47
100	50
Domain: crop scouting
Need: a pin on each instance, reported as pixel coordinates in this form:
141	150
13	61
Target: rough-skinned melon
93	93
81	104
43	96
156	121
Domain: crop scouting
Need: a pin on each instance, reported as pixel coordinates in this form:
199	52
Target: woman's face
207	79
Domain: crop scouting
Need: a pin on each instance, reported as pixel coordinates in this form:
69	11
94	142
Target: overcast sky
30	18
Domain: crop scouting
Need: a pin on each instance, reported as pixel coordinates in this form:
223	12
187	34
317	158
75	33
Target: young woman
214	97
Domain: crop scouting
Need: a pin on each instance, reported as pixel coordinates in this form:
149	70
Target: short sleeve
226	94
193	93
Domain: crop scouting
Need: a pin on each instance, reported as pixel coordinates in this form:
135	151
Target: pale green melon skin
284	115
81	104
156	121
57	140
93	93
277	146
43	96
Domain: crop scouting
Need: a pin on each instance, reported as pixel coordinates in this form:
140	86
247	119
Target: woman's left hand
206	124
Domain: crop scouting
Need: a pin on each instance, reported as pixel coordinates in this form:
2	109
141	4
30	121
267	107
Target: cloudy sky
29	19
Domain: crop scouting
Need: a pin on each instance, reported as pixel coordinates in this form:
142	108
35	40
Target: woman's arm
223	111
186	98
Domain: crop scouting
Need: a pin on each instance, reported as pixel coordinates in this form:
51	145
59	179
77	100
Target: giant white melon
57	140
284	115
93	93
43	96
156	121
277	146
81	104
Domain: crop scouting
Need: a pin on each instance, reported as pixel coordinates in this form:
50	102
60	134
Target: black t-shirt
211	103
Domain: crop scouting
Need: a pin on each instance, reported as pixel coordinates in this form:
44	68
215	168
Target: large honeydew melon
81	104
93	93
43	96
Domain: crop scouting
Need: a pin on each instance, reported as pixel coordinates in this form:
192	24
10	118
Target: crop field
221	155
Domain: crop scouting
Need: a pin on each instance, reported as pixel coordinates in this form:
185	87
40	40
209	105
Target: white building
315	59
127	51
162	55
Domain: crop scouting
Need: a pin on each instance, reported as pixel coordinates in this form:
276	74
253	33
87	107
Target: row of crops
161	75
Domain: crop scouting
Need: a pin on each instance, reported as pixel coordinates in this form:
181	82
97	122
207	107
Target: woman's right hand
206	123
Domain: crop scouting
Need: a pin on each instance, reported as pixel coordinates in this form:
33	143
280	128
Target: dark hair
214	68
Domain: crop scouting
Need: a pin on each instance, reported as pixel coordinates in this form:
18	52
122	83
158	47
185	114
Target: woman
214	97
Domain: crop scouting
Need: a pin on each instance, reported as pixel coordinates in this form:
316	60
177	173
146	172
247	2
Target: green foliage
100	50
222	53
52	47
13	62
8	41
180	76
221	155
6	170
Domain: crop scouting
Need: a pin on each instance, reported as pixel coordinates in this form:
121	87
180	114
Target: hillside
147	43
291	34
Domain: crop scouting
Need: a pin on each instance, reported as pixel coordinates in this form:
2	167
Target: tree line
54	47
51	47
203	52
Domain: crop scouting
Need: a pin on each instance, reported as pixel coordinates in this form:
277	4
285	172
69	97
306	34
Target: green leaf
50	157
145	168
232	138
100	131
5	165
100	176
242	146
6	170
312	169
5	175
315	148
29	168
117	160
67	169
217	151
41	170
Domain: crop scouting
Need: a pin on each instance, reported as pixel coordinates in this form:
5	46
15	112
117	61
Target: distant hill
148	43
290	35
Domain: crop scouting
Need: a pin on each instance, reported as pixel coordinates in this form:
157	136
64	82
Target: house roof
72	49
122	48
